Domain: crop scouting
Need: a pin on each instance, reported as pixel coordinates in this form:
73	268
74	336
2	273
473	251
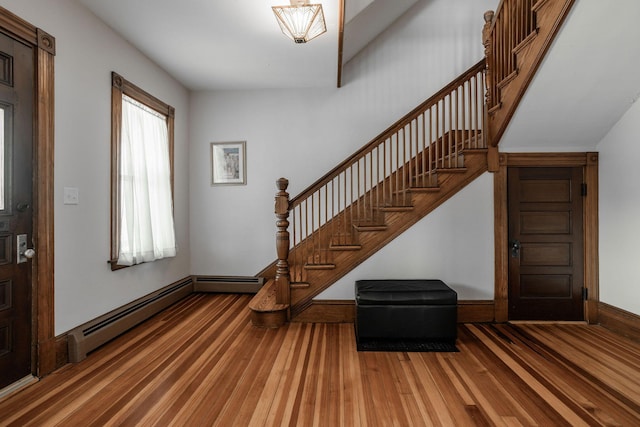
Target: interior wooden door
546	253
16	208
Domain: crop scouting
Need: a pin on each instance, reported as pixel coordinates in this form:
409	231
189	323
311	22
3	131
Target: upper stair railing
351	198
513	22
516	38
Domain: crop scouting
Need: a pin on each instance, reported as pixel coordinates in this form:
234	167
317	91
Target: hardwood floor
201	363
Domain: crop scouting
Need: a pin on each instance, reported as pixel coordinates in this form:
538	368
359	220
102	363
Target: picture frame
229	163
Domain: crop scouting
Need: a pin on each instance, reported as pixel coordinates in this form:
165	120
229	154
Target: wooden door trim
44	349
589	163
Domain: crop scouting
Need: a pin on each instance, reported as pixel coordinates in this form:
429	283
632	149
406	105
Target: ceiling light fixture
301	21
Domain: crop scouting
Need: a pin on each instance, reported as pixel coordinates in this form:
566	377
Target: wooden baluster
283	292
480	110
449	146
312	235
426	145
432	147
465	137
512	44
386	192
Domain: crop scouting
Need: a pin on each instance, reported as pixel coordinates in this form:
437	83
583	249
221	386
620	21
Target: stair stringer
397	222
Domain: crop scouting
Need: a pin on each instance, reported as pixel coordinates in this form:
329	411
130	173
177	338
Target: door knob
514	245
22	251
21	207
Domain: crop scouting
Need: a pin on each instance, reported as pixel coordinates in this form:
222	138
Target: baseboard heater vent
91	335
228	284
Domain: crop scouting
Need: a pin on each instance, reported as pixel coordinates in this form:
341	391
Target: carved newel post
283	295
487	41
488	53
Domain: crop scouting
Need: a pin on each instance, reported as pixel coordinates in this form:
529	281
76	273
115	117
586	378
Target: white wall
302	134
619	213
87	52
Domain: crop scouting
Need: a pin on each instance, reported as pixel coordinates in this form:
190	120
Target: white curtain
146	207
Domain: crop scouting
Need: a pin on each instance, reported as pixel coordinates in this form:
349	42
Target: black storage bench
406	310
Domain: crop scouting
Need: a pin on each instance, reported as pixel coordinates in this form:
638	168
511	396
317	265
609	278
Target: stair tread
424	189
441	169
452	170
396	208
265	299
502	83
300	285
527	40
335	247
495	108
475	151
309	266
370	227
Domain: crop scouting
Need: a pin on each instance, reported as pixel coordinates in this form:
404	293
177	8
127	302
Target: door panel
545	191
16	212
545	223
545	254
546	241
547	286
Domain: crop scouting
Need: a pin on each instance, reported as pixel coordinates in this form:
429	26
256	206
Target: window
142	227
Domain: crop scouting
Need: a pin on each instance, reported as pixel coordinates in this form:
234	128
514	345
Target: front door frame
589	162
43	359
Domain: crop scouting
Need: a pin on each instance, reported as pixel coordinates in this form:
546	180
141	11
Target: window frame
119	87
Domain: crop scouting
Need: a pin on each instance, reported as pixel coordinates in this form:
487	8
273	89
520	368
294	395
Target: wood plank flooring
201	363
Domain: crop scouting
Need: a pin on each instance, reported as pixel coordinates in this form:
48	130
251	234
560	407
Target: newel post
283	295
488	82
488	53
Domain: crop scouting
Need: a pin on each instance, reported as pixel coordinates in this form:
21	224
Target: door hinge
585	294
583	189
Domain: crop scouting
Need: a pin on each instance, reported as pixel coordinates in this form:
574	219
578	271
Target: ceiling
237	44
589	76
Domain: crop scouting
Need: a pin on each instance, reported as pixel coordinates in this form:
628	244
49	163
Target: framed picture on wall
229	163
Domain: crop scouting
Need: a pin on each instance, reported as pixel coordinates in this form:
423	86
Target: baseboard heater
228	284
91	335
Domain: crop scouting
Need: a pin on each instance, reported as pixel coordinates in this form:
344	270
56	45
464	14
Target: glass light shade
301	22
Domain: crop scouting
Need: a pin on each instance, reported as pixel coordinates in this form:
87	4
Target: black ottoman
406	310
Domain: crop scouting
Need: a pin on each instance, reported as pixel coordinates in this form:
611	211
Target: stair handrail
481	65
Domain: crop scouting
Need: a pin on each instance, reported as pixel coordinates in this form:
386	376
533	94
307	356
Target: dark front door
545	243
16	208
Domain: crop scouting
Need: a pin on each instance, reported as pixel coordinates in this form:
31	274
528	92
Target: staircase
408	170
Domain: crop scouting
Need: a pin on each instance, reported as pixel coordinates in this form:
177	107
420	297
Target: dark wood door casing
546	243
589	164
43	332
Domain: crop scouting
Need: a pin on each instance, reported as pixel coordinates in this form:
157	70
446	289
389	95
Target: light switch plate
71	196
